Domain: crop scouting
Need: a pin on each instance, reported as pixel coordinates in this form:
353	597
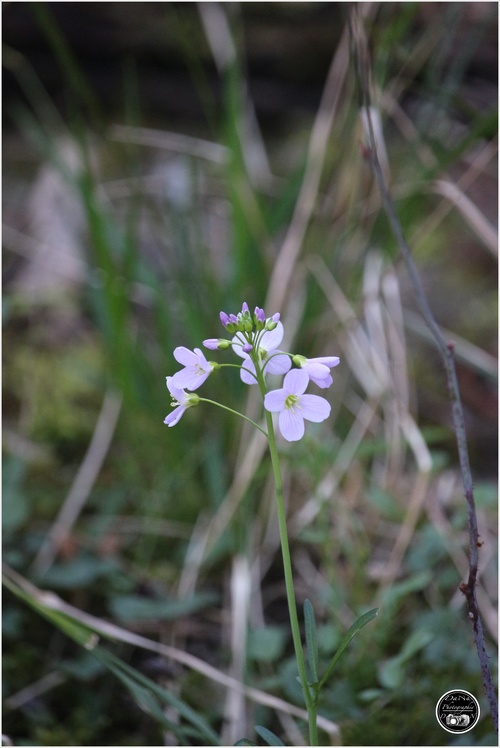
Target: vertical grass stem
310	700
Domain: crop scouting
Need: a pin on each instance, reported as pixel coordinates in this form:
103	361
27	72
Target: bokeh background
164	161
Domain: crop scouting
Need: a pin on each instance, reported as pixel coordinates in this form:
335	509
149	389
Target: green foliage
268	736
311	642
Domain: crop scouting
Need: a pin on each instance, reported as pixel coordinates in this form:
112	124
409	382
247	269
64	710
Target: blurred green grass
168	238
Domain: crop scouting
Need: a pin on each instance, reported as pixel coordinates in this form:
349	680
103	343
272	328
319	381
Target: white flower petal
271	339
316	370
296	381
277	364
176	392
190	378
323	383
185	357
314	408
291	425
245	375
175	416
202	360
274	401
329	361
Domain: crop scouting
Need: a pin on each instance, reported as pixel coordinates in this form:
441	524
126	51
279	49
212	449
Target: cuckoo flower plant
256	340
181	400
294	406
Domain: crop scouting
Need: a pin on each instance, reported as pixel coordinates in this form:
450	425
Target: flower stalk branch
255	339
287	569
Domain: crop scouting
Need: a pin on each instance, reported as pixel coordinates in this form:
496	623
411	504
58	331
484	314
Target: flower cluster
256	339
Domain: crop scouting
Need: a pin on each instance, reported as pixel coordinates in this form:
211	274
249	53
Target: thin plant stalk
446	349
311	703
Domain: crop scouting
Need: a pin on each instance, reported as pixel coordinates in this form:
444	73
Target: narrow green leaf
73	628
391	673
268	736
356	626
190	714
147	701
245	741
136	608
148	695
311	640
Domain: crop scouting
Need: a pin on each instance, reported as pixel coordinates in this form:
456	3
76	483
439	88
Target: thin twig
446	349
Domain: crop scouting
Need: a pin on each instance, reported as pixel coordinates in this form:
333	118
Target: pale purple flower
183	400
271	359
211	343
318	369
196	368
216	344
293	406
259	315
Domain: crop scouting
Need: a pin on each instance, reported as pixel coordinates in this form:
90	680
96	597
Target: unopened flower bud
216	344
224	319
247	348
211	343
259	314
259	318
233	325
272	322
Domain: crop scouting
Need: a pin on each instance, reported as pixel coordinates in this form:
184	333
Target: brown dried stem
360	56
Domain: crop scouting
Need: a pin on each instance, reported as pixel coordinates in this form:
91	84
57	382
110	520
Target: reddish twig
446	349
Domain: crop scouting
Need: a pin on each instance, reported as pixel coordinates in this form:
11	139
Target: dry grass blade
116	633
222	46
446	350
306	202
471	354
171	141
471	213
35	690
241	591
83	482
477	166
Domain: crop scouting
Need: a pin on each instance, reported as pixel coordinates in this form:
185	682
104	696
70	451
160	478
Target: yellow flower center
290	401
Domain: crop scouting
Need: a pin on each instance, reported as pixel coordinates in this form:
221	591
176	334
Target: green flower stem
236	413
310	699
